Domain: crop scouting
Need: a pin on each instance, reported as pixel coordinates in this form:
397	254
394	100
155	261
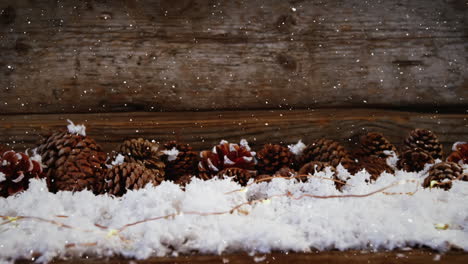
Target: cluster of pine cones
73	162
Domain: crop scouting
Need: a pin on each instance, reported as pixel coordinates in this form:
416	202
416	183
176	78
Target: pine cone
425	140
144	152
285	172
242	176
375	145
16	168
442	174
373	165
223	156
459	154
130	176
326	150
414	160
183	179
73	162
184	163
273	157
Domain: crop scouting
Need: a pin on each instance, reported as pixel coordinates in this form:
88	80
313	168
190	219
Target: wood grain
358	257
205	129
105	56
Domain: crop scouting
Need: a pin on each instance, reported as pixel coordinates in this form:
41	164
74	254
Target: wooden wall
205	70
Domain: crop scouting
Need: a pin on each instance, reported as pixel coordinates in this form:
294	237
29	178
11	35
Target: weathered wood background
116	65
101	56
268	71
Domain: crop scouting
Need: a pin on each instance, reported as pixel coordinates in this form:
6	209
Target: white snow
171	154
380	221
454	146
297	148
76	129
244	144
119	159
392	158
35	156
2	176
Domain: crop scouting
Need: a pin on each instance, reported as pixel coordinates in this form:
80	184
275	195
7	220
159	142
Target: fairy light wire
111	232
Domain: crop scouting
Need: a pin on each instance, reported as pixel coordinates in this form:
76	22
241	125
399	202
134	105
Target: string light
112	232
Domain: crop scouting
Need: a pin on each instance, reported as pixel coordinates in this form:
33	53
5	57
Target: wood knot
105	15
21	47
284	23
7	15
287	62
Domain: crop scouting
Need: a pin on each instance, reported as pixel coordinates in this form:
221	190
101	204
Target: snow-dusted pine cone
425	140
326	150
73	162
442	174
414	160
142	151
180	160
374	144
273	157
129	176
373	165
225	155
242	176
16	168
459	154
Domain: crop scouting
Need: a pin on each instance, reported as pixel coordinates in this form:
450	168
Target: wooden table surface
394	257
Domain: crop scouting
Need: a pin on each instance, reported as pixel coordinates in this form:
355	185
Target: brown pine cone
16	169
373	165
425	140
129	176
414	160
442	174
73	162
285	172
225	155
326	150
273	157
374	144
459	154
242	176
142	151
183	179
185	163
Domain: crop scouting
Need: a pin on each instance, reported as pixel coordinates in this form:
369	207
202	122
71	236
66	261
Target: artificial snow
119	159
2	176
171	154
455	145
297	148
377	222
76	129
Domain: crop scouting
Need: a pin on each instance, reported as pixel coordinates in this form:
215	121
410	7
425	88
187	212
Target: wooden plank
89	56
394	257
205	129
